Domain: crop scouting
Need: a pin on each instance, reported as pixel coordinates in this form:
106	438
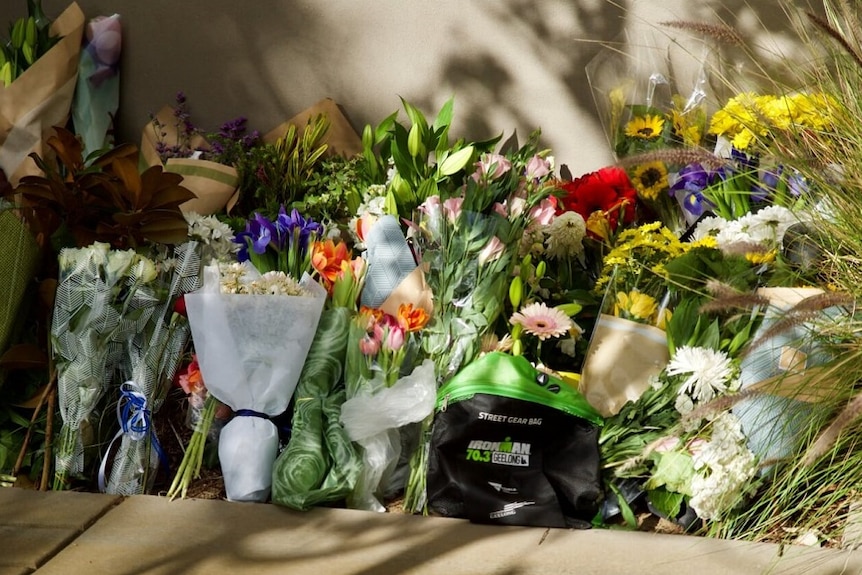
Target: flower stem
190	467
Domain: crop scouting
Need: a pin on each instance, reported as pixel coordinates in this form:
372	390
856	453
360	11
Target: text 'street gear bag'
511	445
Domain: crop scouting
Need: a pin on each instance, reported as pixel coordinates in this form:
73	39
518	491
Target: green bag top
505	375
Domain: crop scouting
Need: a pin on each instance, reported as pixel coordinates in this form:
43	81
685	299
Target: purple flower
691	181
294	226
259	234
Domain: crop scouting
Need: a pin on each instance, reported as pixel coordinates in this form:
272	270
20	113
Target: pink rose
492	251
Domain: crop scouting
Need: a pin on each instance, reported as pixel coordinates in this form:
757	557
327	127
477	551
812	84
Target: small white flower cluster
216	236
765	227
724	468
237	279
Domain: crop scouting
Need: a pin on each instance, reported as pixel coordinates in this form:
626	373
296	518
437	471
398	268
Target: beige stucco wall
511	64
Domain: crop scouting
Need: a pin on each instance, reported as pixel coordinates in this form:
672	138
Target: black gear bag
511	445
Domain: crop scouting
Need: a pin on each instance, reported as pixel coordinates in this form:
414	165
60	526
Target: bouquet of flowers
154	339
206	161
235	319
35	102
628	343
95	284
653	109
320	463
383	395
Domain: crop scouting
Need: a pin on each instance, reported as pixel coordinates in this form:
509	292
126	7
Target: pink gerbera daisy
542	321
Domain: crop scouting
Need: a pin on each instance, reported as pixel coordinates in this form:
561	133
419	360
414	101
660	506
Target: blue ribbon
250	413
135	419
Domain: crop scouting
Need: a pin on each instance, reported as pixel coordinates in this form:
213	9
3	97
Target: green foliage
29	39
277	174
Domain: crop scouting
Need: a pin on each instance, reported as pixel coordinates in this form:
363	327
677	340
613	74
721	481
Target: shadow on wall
511	64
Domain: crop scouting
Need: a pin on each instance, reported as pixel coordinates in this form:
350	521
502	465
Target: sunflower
647	127
650	180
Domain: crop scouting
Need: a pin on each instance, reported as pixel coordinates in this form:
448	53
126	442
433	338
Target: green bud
29	54
540	269
517	347
6	74
30	33
570	309
456	162
516	290
18	34
414	142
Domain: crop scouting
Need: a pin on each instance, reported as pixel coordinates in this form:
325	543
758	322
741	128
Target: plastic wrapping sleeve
97	93
373	421
622	357
320	464
251	350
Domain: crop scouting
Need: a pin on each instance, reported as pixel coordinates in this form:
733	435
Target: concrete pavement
80	533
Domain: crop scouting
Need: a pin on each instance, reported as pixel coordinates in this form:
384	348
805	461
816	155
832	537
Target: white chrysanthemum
733	232
708	227
770	224
709	372
566	236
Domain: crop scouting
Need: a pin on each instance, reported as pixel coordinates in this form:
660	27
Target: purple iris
293	226
691	181
259	234
770	180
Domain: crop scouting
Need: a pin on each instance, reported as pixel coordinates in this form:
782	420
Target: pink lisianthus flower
431	206
452	208
543	214
492	251
537	168
491	167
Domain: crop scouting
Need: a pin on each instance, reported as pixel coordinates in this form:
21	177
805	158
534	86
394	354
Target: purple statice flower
259	233
691	181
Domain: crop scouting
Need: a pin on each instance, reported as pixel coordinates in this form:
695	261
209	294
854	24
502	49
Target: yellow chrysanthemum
650	180
758	258
647	127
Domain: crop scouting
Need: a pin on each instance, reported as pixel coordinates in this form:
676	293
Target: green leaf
667	503
444	116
